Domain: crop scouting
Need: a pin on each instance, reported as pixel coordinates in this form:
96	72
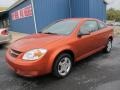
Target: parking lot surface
97	72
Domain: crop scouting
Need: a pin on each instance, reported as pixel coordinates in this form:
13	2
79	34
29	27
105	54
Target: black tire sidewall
57	60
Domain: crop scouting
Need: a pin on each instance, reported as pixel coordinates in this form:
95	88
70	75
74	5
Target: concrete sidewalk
117	30
17	35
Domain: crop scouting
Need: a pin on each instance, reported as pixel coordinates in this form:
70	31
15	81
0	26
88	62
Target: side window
101	25
91	26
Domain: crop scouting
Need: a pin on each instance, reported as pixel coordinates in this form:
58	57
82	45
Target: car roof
81	19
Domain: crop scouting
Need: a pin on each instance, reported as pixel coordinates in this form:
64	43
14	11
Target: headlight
34	54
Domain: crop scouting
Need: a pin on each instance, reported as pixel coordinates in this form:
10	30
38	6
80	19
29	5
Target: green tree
113	14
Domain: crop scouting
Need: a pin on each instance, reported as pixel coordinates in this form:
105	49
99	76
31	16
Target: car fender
55	54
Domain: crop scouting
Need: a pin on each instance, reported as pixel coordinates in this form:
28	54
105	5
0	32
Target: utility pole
34	17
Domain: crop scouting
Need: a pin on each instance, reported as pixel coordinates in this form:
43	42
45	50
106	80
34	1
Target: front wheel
108	47
62	65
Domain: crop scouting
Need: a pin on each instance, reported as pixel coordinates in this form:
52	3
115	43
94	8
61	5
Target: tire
108	47
63	65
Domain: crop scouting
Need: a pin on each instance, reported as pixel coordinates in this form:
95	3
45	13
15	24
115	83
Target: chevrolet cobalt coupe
58	46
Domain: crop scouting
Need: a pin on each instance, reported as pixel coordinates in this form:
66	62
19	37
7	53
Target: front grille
15	53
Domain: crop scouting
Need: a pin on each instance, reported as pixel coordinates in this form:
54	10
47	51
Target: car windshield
64	27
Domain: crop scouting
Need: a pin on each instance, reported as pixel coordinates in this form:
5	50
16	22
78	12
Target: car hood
35	41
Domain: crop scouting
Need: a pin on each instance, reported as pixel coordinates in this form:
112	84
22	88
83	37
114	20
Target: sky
6	3
112	3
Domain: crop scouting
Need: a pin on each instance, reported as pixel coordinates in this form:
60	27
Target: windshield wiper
50	33
40	32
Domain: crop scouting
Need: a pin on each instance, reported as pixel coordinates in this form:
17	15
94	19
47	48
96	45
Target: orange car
58	46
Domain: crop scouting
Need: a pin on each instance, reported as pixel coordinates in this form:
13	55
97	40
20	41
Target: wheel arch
56	54
111	38
68	51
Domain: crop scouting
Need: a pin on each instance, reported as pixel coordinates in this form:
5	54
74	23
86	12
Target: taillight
5	32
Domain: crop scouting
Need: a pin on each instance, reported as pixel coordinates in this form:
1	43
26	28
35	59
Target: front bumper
27	68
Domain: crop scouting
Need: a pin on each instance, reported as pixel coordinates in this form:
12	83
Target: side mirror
83	32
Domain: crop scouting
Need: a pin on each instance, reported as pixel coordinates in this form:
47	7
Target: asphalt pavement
97	72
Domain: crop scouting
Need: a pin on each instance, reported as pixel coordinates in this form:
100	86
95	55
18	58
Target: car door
86	43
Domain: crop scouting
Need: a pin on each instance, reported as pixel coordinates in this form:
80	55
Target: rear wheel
62	65
108	47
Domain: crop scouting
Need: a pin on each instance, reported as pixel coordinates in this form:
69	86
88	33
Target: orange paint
81	47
